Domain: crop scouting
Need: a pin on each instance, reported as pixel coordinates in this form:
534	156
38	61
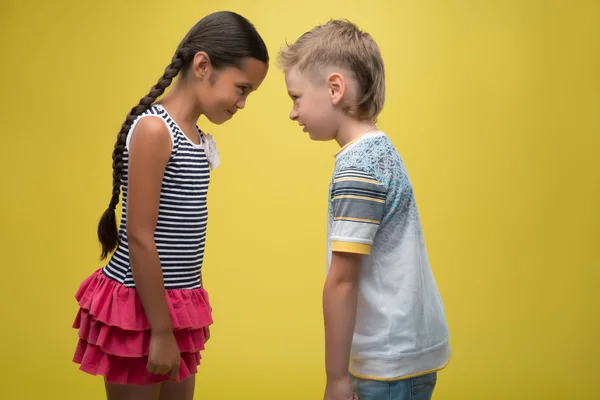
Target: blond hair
342	44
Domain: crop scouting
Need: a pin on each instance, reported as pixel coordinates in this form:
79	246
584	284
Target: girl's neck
180	104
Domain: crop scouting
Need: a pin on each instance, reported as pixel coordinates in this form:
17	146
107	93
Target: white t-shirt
401	328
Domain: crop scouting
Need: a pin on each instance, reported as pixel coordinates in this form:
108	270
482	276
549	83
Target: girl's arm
150	150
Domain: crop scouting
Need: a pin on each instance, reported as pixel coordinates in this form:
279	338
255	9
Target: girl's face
221	93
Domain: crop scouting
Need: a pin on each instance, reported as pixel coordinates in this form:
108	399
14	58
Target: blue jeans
417	388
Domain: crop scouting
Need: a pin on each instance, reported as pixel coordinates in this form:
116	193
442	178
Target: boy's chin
320	137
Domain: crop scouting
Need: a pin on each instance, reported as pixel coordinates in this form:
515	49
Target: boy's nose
293	114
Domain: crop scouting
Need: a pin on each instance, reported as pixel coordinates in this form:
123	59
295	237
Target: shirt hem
401	368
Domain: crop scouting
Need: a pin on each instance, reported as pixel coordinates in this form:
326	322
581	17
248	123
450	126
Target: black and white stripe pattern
180	233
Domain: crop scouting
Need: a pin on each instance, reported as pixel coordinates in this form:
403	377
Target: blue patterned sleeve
358	201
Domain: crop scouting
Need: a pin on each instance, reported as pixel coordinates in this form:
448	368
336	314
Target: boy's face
313	107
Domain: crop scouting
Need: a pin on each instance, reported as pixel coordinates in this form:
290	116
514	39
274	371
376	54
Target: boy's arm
339	311
358	201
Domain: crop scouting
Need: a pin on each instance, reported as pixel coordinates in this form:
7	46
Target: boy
384	319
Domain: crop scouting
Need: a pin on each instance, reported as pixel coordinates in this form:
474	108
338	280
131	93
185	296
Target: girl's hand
206	334
165	356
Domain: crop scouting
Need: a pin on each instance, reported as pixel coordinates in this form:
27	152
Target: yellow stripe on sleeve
372	221
347	196
349	247
357	180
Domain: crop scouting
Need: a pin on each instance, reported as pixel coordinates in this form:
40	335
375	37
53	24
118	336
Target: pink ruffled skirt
114	333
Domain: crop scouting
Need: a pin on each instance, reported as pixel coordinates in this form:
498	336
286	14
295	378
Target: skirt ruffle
114	333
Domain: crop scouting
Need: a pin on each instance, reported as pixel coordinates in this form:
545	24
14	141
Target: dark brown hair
228	39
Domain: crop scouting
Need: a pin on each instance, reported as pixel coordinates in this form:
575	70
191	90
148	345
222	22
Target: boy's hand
340	389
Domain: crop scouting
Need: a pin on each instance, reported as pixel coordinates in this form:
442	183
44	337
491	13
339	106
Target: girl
143	318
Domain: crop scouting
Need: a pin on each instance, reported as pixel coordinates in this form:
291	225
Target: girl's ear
201	65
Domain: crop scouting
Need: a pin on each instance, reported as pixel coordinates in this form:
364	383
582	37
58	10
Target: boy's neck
352	129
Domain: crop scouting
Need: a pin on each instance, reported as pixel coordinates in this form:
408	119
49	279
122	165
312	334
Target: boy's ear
336	85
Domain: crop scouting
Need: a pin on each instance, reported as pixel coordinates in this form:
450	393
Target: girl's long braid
107	227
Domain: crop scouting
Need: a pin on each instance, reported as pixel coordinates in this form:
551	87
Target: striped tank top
180	233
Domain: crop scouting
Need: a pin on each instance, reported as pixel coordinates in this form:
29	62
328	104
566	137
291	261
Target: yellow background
494	105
